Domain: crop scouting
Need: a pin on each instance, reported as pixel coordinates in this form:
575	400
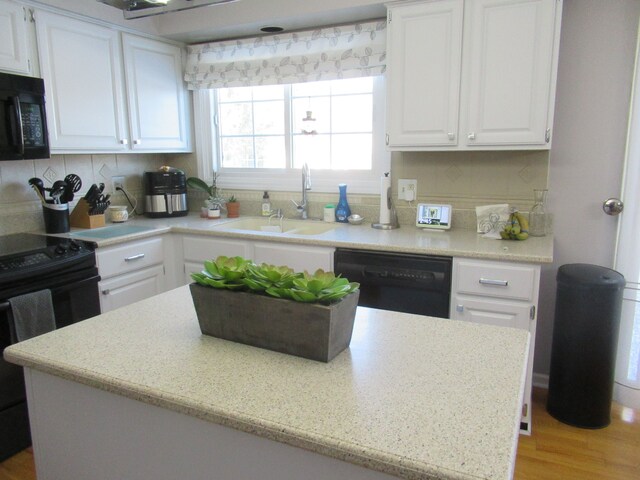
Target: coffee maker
165	193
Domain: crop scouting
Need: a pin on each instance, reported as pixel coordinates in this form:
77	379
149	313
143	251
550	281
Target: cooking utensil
57	190
38	185
74	182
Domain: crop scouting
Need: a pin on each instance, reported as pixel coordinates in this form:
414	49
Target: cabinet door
297	257
424	49
131	287
81	66
14	51
156	95
509	58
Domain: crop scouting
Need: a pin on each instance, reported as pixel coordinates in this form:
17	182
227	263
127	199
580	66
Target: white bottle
266	204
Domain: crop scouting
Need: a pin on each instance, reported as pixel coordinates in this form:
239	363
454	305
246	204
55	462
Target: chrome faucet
303	206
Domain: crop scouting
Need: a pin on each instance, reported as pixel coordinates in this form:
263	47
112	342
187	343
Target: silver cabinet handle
386	139
124	141
488	281
471	136
137	142
459	308
451	135
134	257
106	291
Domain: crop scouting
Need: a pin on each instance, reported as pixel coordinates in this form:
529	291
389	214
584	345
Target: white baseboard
540	380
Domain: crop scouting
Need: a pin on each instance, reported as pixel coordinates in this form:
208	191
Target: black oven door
74	299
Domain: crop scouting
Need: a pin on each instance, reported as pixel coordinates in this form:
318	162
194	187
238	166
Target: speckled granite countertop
415	397
406	239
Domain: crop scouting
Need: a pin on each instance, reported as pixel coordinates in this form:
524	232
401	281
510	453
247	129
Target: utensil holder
80	216
56	217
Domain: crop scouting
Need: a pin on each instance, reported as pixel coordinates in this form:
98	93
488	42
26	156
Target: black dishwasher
419	284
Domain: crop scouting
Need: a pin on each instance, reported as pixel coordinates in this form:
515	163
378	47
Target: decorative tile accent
527	174
50	174
106	172
453	173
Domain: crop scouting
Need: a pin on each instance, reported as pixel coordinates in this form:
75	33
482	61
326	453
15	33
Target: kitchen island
139	393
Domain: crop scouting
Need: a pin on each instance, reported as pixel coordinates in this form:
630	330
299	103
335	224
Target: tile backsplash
462	179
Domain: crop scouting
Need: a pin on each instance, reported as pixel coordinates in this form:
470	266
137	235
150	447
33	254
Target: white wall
597	52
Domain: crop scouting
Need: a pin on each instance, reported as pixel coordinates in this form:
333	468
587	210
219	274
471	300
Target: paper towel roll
385	204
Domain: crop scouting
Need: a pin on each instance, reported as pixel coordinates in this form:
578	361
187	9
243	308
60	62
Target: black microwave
23	121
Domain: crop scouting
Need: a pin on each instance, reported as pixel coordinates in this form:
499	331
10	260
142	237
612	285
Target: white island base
139	393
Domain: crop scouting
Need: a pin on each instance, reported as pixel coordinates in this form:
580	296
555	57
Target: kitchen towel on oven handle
31	315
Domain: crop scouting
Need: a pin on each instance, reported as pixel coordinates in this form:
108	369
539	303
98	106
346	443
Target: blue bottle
342	209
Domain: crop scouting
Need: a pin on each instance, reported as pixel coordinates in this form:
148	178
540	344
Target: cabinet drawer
492	279
129	257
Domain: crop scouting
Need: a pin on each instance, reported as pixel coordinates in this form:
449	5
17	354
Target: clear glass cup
538	214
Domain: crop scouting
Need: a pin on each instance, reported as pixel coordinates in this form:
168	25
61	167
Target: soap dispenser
266	204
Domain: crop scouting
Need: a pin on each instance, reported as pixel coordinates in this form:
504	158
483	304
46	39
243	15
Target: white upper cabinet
14	50
156	95
82	69
474	74
101	100
425	45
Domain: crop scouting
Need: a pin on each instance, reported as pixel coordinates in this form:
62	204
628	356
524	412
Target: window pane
272	92
311	89
269	117
352	113
313	150
319	108
351	152
270	152
236	94
352	85
237	152
235	119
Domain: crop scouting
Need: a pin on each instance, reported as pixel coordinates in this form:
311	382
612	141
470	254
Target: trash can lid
583	274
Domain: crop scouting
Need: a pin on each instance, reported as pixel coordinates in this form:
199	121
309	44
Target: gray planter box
314	331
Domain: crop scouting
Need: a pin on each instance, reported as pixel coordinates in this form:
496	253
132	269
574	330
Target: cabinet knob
472	136
124	141
460	308
137	141
106	291
451	135
386	139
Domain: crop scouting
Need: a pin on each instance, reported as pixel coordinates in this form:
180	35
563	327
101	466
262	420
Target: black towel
32	315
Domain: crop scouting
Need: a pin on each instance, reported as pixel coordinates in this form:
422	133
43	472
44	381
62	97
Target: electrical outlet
407	189
117	182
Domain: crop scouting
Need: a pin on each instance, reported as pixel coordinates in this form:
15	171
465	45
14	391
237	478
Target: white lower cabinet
196	249
499	293
130	272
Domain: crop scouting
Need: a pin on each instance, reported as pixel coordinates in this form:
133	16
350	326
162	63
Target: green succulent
223	272
237	273
321	287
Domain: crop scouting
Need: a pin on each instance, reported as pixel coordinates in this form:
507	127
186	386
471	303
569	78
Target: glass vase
538	214
342	209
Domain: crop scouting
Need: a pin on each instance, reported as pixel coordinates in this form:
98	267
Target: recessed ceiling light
272	29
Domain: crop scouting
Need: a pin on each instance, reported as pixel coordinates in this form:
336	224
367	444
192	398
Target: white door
156	95
82	69
13	38
627	387
508	51
423	79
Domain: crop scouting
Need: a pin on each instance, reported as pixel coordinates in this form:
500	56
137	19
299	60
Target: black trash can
585	337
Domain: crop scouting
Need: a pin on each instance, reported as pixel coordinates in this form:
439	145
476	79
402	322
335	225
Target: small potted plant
214	203
302	314
233	207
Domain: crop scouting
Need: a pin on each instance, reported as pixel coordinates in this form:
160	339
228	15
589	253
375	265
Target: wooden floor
555	451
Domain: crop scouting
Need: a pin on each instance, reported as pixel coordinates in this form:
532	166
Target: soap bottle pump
266	204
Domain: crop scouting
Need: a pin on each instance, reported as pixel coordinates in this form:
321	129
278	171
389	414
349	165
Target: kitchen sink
111	232
289	226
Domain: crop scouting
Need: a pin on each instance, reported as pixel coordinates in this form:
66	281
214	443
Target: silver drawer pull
134	257
488	281
106	291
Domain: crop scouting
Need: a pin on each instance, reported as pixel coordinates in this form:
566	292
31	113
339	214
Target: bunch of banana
517	228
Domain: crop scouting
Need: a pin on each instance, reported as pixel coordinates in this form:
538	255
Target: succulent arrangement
237	273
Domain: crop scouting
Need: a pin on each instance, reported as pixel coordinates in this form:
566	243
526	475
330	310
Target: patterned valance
344	51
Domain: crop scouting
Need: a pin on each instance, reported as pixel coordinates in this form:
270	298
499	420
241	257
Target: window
263	135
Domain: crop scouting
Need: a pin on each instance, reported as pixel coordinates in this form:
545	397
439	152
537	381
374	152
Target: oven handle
4	306
18	113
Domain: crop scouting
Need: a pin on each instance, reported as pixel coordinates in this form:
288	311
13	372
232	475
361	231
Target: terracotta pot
233	210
